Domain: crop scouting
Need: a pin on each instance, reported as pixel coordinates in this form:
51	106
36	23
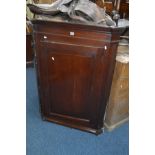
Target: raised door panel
69	73
69	82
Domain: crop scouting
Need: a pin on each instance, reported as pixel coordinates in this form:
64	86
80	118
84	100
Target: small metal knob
105	47
116	17
113	13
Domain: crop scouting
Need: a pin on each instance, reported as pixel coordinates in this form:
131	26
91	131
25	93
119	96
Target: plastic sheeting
81	10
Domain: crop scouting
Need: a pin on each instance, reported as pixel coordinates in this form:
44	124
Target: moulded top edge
81	25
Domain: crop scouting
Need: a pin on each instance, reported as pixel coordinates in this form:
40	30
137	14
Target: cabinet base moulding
70	124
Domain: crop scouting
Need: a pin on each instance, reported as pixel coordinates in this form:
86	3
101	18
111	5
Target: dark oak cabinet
74	66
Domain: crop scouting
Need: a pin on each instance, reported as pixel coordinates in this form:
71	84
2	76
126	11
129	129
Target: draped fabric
79	10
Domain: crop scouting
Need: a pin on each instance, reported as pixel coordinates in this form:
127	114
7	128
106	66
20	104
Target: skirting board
116	125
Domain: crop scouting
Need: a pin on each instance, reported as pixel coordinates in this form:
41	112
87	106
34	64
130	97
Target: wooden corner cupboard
74	64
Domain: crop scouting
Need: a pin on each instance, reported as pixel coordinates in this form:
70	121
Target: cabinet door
69	78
